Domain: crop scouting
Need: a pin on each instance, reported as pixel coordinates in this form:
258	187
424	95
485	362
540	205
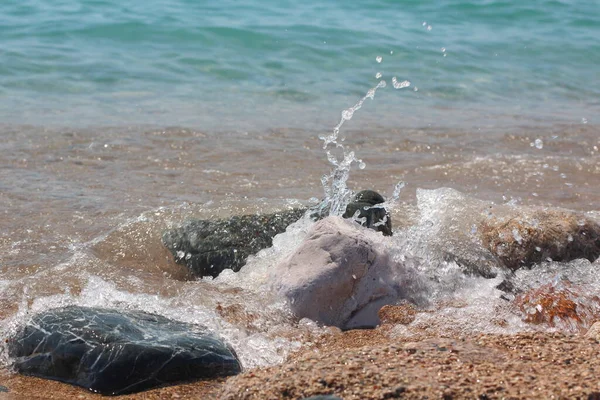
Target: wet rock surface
113	352
364	210
485	238
559	304
207	247
541	235
340	275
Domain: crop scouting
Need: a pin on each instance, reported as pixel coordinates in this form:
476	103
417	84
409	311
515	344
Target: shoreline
373	364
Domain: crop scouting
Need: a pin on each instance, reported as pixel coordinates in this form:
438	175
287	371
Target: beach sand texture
371	364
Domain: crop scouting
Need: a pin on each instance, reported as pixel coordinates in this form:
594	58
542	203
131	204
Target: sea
119	120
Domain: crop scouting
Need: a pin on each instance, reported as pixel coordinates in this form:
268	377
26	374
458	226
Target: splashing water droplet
584	120
399	85
391	52
378	75
397	189
361	164
416	89
539	144
379	59
443	49
332	159
429	28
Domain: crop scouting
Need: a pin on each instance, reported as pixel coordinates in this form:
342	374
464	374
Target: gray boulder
341	275
113	353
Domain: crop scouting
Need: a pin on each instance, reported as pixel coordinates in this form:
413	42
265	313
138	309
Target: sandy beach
372	364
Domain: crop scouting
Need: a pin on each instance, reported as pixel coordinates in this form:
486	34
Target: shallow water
84	211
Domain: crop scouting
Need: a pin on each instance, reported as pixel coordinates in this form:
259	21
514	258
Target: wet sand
24	387
372	364
523	366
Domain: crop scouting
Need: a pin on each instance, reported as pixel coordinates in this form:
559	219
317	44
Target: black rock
207	247
113	353
365	208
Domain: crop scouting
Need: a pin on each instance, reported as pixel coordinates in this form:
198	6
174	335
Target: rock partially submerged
485	238
207	247
535	235
559	304
340	275
113	353
365	209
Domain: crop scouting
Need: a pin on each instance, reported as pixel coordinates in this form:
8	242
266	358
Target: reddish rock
563	304
557	235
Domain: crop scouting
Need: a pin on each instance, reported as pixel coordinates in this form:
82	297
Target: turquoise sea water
266	63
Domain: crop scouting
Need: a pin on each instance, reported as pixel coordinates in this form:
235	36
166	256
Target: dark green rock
3	389
113	353
207	247
369	213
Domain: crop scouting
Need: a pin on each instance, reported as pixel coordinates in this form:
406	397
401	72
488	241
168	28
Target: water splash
337	194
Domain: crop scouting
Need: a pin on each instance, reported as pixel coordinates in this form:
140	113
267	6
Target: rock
369	214
208	247
484	238
322	397
536	235
113	353
4	389
560	303
340	275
